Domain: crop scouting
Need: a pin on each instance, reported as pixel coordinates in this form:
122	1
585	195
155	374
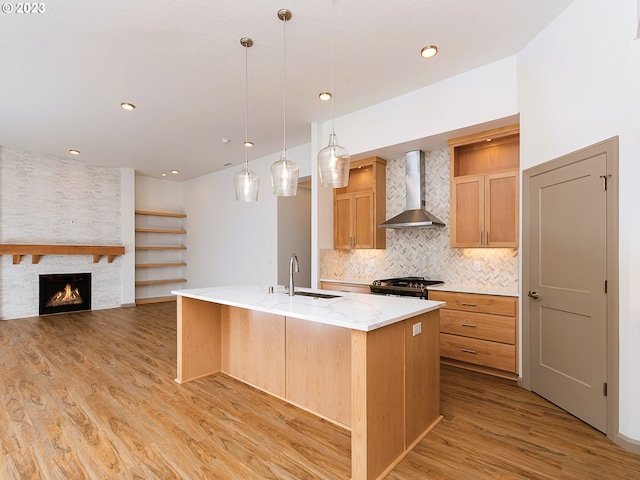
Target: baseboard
627	443
143	301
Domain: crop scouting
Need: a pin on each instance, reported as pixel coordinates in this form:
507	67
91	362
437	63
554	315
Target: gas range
404	287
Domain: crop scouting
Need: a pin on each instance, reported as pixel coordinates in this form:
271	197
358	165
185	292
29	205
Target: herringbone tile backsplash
423	251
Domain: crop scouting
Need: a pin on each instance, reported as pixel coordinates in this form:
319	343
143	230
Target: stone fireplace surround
42	203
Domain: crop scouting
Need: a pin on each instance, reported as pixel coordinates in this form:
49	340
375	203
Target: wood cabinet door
501	209
363	220
342	233
467	211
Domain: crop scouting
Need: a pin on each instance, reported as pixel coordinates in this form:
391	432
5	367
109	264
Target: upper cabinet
360	207
484	189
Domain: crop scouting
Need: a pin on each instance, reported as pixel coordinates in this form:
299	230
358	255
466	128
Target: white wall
484	94
232	242
579	84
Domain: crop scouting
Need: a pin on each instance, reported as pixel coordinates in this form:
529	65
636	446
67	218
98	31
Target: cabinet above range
360	207
485	189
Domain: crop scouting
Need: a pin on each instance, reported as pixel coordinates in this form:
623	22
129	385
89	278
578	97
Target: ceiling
66	71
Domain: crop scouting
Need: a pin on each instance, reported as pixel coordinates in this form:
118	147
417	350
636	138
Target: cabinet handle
468	325
487	237
481	238
466	350
466	304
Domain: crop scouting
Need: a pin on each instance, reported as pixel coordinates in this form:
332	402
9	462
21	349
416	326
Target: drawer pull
466	350
468	325
466	304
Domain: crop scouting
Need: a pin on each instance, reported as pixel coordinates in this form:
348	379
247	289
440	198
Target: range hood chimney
414	215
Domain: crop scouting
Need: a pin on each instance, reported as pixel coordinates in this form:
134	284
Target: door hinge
604	181
604	389
606	286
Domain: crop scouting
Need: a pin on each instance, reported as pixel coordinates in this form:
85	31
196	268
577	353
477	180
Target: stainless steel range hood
414	215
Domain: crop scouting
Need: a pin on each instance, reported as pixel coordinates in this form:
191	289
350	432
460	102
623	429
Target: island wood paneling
319	369
422	376
377	399
253	348
198	338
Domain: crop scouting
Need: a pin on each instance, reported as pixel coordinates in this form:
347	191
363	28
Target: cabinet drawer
484	326
479	352
472	302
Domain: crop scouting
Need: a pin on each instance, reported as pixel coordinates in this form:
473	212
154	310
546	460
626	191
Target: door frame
608	147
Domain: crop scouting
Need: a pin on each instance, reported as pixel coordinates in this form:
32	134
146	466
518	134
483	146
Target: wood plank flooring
91	395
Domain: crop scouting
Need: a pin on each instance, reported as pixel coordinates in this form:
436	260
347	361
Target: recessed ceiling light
248	144
74	152
175	172
128	106
429	51
163	174
325	96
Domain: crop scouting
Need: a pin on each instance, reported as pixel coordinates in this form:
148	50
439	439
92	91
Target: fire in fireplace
65	293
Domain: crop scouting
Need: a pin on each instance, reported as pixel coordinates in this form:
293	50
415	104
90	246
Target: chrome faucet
294	266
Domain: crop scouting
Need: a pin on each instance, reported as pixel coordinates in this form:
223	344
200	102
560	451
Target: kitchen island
367	363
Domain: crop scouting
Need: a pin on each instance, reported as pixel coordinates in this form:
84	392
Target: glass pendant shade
284	176
333	164
247	184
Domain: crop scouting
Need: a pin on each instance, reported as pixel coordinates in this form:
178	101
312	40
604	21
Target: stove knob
377	283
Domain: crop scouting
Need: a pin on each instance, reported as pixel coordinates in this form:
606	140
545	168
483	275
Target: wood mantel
36	251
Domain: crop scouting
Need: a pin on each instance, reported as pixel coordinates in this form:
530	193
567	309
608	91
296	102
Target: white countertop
356	311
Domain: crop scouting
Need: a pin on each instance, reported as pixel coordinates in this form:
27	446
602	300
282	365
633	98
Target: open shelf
161	214
160	247
168	264
158	254
161	230
160	282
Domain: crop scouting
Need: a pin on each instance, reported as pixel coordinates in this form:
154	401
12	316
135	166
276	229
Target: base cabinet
479	332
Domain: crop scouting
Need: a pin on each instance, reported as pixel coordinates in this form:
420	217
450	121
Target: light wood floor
92	396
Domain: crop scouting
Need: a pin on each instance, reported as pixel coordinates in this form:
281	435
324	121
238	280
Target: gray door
568	270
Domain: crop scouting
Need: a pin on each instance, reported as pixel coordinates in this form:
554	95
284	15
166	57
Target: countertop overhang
356	311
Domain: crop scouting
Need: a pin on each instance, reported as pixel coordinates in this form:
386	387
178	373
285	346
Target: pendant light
333	160
246	182
284	172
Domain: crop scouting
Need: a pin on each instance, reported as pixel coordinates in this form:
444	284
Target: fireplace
65	292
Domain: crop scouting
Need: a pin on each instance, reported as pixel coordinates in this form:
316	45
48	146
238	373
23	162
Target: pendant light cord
333	27
284	84
246	97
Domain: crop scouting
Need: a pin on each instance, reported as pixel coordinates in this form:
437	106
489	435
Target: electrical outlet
477	265
417	328
372	263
